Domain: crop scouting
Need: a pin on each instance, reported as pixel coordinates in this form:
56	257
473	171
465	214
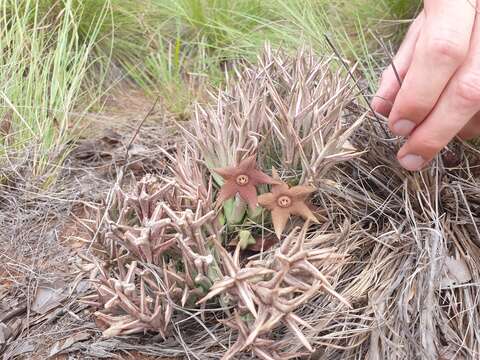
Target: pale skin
439	67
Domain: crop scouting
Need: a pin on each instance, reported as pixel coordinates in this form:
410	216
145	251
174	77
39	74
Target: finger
458	104
440	50
389	85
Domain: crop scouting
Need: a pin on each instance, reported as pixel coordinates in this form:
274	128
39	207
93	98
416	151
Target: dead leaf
456	272
23	347
82	286
48	297
16	327
138	150
15	310
5	333
57	348
111	137
100	148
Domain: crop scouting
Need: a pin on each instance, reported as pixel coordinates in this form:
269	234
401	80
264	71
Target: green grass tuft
43	65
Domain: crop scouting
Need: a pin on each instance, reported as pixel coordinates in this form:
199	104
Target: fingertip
401	127
411	158
412	162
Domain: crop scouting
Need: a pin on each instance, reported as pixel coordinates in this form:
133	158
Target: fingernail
381	106
402	127
412	162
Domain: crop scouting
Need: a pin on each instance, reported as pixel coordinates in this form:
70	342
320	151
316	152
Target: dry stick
356	84
390	58
389	55
120	173
139	125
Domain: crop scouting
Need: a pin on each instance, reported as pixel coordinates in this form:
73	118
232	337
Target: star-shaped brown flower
242	179
284	201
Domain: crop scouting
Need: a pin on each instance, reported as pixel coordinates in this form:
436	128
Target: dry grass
401	248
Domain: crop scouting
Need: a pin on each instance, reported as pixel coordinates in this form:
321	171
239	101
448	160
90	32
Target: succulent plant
158	236
290	280
162	241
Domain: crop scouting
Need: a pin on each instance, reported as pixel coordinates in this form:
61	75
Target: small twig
139	125
355	81
389	55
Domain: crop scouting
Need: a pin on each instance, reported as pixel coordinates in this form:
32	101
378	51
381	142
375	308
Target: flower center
242	179
284	201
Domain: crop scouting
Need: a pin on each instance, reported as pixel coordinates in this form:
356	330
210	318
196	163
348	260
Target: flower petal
267	200
280	189
249	194
279	219
228	190
247	164
258	177
301	209
227	172
301	191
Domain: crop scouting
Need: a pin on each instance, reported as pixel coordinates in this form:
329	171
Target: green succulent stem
245	239
234	210
255	214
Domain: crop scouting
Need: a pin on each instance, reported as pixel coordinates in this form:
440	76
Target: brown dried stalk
228	130
308	104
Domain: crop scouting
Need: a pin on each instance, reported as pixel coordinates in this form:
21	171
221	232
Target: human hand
439	65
